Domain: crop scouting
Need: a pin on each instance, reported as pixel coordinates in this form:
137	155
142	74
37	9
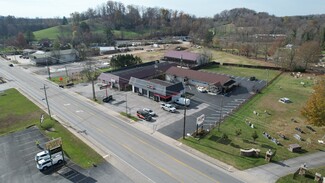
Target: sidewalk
273	171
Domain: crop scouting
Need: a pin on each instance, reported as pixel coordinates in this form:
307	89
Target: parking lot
214	107
18	165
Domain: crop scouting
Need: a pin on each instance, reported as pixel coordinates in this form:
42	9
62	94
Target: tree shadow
266	146
235	145
280	163
220	140
249	142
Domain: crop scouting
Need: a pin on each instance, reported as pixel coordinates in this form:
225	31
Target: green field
66	30
276	120
309	178
17	113
53	32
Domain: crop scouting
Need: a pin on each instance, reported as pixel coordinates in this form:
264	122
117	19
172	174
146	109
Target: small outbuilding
294	148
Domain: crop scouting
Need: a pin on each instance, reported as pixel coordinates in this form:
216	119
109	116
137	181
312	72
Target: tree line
239	31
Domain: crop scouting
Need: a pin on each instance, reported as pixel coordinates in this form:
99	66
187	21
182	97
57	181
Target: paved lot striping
17	151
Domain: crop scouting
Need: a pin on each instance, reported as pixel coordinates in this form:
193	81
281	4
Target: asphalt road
154	160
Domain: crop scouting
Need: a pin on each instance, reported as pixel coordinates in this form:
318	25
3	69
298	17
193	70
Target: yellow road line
153	164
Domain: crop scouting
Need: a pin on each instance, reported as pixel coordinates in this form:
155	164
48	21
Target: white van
183	101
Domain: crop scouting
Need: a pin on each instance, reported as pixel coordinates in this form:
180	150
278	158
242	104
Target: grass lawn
52	32
260	74
224	57
17	113
151	56
73	147
276	120
298	179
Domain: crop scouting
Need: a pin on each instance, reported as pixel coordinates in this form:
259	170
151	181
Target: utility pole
47	102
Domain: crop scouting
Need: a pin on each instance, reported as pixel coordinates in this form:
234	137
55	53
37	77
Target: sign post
54	145
42	119
199	122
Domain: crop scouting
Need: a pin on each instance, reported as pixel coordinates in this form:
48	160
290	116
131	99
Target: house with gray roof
156	89
184	58
54	57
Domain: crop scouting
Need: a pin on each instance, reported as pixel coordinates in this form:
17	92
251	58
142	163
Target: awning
162	96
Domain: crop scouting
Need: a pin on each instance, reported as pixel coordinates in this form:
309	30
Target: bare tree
309	52
91	74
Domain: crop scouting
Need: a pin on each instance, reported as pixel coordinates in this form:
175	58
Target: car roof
42	153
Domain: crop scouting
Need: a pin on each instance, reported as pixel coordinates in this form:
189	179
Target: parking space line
27	148
29	136
215	114
209	118
26	143
29	154
29	160
24	134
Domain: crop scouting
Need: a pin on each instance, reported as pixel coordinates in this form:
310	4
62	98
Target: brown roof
199	75
182	54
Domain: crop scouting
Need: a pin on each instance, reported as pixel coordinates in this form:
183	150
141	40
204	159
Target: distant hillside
53	33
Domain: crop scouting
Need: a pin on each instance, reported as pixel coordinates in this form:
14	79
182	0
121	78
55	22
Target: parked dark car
144	115
108	99
69	84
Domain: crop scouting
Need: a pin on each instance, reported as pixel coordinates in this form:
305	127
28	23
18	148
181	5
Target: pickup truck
168	107
44	164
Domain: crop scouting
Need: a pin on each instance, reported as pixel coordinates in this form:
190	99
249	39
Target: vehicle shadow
75	176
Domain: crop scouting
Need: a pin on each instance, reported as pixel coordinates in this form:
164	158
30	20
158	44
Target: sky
199	8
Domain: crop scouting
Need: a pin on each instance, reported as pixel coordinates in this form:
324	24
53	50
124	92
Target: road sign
42	118
200	119
53	144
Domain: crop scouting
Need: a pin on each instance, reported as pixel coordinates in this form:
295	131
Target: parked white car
168	107
149	111
284	100
202	89
42	155
44	164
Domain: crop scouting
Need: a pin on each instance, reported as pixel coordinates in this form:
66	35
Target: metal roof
210	78
183	55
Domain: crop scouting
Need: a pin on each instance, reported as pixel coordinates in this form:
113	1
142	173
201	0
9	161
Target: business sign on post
53	144
200	119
